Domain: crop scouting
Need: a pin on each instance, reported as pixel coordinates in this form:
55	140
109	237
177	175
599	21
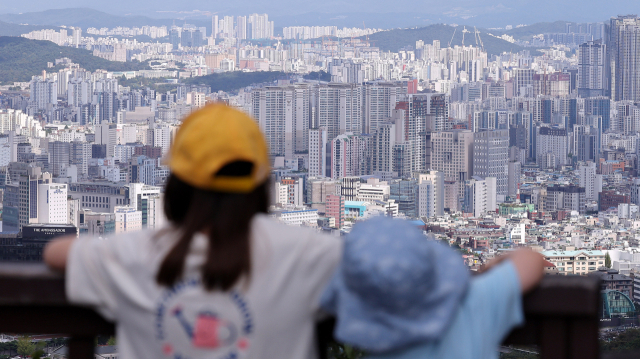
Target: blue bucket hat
394	287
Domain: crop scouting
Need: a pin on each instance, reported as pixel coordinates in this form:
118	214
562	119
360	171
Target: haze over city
486	13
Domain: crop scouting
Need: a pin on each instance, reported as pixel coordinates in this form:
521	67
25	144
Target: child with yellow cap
222	280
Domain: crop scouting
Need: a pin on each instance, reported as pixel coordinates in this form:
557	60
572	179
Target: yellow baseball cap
211	138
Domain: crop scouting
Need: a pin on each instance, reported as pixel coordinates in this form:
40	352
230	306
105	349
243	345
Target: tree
111	341
607	260
627	340
26	346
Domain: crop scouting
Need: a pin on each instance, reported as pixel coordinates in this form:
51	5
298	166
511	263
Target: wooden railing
561	314
33	301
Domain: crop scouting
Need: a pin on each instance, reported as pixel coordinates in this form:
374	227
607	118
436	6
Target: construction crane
454	34
464	31
365	32
478	39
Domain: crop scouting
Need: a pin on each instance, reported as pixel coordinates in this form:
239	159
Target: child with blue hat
400	295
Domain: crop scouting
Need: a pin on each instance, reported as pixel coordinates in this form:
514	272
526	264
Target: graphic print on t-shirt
192	323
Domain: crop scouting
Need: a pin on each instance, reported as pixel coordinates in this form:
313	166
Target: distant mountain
8	29
483	13
527	32
81	17
22	58
394	40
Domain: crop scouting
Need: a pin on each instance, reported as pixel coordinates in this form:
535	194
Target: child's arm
56	252
528	264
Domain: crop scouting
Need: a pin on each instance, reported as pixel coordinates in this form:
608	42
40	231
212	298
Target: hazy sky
467	11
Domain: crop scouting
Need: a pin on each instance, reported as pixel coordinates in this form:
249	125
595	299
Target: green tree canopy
26	346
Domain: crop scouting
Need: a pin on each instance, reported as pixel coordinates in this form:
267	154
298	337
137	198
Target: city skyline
488	140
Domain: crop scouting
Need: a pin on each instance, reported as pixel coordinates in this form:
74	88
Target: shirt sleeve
90	271
497	301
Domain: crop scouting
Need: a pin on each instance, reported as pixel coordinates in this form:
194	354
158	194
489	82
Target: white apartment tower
338	108
430	194
551	147
590	180
480	196
378	104
106	134
318	152
283	115
44	92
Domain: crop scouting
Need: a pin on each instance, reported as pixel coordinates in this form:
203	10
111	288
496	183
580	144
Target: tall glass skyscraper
624	57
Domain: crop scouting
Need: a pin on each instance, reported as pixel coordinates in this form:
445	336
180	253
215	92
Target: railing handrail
561	313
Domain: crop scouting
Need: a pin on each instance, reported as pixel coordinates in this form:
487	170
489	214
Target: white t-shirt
269	316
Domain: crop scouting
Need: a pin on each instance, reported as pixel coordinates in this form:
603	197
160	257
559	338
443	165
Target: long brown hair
224	217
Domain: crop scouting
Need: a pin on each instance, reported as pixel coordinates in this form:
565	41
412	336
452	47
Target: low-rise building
297	217
576	261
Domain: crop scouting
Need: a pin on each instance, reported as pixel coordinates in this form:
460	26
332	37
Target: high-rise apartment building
490	158
318	152
480	196
59	156
601	106
592	69
348	156
261	27
214	26
586	145
422	114
21	198
379	102
241	28
551	147
430	194
106	134
44	92
338	108
513	180
226	27
383	145
453	156
624	57
523	81
283	115
590	180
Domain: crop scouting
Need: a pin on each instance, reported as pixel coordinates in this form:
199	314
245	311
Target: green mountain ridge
232	81
21	58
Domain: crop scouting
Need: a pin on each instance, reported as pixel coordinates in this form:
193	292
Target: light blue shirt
492	307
